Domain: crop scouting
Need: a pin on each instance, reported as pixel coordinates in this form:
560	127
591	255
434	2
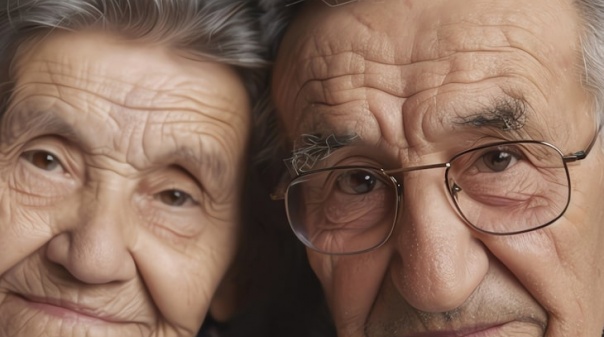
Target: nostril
62	273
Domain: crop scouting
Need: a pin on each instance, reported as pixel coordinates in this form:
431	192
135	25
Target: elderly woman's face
120	167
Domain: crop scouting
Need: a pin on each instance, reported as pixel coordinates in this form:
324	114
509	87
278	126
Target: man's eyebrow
505	114
312	147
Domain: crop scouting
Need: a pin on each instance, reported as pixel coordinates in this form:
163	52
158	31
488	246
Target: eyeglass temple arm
580	155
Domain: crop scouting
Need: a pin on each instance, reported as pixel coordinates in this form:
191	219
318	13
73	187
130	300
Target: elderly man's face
120	165
414	83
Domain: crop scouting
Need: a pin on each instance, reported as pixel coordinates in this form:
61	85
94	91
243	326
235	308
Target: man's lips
478	331
69	310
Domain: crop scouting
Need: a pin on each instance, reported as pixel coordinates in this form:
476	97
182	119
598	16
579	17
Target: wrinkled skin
401	75
120	165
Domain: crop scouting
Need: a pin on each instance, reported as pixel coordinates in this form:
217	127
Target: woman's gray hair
225	31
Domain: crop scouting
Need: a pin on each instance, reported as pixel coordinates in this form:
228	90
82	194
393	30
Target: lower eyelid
172	223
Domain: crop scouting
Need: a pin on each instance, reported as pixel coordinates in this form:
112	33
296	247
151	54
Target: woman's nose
93	246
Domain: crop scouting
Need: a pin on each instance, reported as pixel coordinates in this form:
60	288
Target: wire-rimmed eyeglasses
502	188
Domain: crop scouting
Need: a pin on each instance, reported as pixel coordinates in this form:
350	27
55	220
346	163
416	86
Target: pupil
174	197
499	161
362	182
44	160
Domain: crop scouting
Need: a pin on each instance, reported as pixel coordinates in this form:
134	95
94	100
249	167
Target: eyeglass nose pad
454	189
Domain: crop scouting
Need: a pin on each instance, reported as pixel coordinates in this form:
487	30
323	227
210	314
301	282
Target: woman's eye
176	198
43	160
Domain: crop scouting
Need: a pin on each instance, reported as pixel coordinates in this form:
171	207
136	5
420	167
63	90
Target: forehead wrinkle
487	27
517	51
61	87
406	79
410	80
120	112
148	91
323	84
88	78
209	143
215	106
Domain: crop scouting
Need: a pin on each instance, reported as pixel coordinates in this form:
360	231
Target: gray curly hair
226	31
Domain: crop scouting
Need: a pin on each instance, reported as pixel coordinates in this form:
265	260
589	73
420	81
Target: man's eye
357	182
176	198
43	160
499	161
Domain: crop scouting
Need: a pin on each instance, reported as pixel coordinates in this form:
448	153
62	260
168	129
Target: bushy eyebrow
505	114
311	148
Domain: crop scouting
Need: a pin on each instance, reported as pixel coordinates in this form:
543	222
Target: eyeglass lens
500	189
509	188
343	210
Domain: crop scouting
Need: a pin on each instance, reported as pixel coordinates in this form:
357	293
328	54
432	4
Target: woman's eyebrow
211	163
14	124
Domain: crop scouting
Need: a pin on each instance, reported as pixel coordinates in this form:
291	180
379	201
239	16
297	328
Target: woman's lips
69	310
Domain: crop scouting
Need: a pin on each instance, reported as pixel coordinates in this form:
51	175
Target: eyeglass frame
572	157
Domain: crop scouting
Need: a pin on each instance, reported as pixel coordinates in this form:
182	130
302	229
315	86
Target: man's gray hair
592	40
225	31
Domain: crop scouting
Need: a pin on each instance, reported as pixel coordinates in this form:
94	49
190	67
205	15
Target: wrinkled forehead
385	40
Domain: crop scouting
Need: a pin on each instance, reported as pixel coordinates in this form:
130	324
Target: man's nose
93	245
439	263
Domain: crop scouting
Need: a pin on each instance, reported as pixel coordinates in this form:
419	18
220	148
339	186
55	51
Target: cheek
22	229
182	277
561	267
